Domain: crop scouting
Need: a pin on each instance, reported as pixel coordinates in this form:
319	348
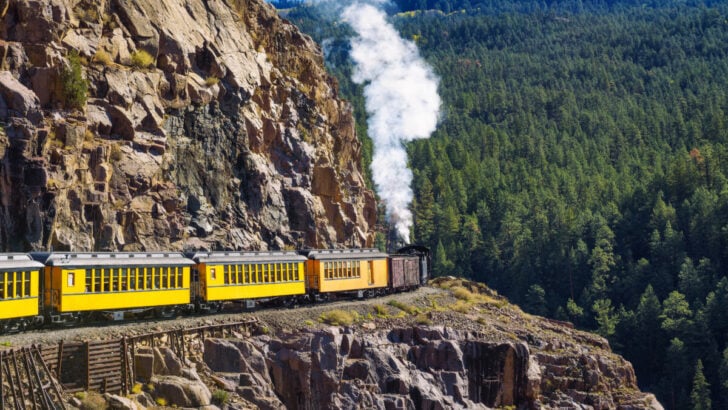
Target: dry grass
423	319
463	294
462	306
93	401
141	59
404	307
338	317
381	311
102	57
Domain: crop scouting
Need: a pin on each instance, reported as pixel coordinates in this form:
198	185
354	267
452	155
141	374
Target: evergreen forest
580	167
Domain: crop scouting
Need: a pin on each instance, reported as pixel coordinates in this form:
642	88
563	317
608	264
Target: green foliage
594	170
605	316
74	87
220	397
141	59
700	395
337	317
403	307
211	80
381	311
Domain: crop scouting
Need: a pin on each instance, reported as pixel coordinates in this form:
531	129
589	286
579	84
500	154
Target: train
67	288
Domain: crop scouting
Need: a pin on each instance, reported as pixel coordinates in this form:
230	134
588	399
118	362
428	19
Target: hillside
579	167
170	125
453	344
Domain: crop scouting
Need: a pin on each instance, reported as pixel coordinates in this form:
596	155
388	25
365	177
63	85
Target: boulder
181	392
20	100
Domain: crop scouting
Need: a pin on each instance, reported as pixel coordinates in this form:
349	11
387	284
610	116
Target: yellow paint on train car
346	275
18	294
220	282
130	287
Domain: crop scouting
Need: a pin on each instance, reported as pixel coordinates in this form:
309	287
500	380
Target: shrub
161	401
102	57
423	319
141	59
211	80
381	311
220	397
462	293
403	307
93	401
337	317
73	86
461	306
137	388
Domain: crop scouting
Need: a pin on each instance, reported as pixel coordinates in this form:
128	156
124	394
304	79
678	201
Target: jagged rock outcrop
232	137
416	368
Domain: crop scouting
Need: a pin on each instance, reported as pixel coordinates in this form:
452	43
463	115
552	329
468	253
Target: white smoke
401	101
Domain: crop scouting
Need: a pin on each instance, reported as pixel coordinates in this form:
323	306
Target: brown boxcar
404	271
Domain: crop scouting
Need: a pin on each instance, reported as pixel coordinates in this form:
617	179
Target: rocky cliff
206	124
456	344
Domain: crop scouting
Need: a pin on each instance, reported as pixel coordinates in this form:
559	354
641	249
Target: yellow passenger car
18	290
347	270
231	276
87	282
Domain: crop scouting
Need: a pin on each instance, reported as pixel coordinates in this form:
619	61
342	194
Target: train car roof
339	254
13	261
246	257
82	259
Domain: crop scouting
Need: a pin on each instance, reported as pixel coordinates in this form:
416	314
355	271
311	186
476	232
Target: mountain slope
204	124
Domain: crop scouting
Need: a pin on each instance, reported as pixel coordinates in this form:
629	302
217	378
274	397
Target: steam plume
401	101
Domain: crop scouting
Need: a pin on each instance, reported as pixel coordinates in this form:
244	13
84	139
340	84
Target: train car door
371	272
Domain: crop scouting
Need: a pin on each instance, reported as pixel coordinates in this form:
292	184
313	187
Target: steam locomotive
65	288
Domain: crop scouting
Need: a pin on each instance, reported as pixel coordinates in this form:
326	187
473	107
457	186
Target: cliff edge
205	124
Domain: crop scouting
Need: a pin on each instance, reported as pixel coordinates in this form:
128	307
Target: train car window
180	280
11	285
226	274
97	280
124	279
140	278
157	277
147	273
3	284
165	277
106	279
132	278
26	288
71	280
113	280
89	280
287	272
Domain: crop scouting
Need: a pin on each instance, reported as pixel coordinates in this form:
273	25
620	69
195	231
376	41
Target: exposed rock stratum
233	136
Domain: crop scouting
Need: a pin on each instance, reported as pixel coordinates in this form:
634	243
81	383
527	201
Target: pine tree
700	395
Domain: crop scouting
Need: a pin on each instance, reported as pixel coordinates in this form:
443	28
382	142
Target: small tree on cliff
74	86
700	395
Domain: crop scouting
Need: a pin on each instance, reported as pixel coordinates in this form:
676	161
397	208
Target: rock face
232	137
415	368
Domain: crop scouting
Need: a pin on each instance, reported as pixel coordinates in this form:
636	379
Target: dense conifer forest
580	168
